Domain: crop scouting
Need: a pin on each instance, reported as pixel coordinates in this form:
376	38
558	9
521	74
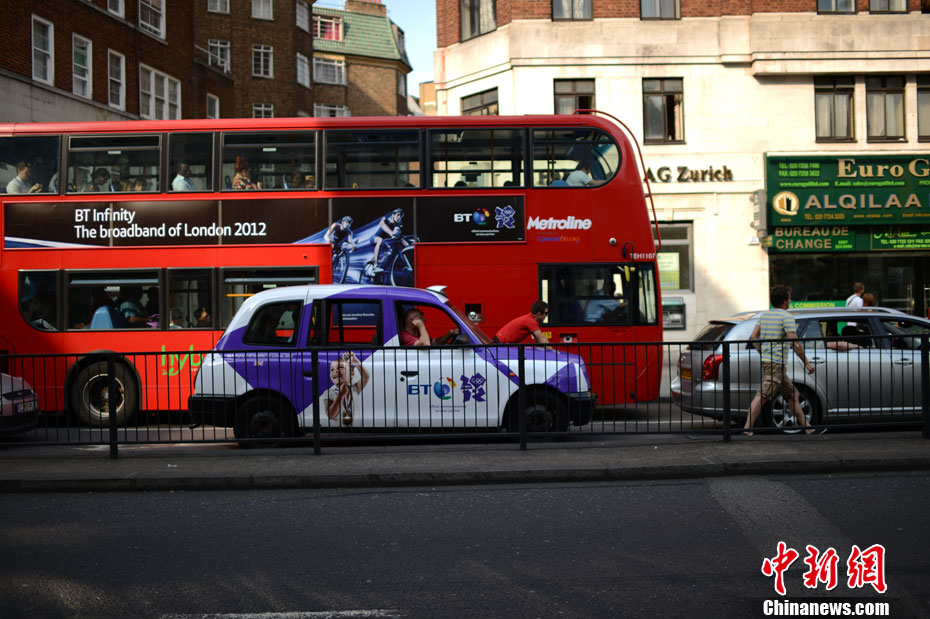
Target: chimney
368	7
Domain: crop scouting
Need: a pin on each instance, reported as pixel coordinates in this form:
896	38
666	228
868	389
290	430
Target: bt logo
442	389
479	217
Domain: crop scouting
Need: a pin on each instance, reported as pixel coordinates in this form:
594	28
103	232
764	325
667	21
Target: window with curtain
836	6
888	6
478	17
663	110
571	95
571	9
833	108
884	108
660	9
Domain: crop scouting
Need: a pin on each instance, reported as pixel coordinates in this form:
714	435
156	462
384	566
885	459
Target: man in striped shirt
773	328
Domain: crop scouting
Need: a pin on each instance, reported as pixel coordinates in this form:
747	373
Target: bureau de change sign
848	190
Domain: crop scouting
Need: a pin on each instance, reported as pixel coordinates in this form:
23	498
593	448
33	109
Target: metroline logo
571	223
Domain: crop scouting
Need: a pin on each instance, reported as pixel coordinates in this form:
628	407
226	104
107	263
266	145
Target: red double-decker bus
146	236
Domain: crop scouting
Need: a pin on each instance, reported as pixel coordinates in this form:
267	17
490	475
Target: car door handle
904	362
817	360
409	374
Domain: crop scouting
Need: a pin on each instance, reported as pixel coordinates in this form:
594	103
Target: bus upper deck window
476	158
190	162
29	164
114	164
281	161
573	157
381	159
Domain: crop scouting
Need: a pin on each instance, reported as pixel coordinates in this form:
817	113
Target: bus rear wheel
91	398
262	421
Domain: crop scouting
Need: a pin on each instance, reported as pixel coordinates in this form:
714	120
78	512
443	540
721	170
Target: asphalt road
641	549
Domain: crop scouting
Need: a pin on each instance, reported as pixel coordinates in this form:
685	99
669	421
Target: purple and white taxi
259	378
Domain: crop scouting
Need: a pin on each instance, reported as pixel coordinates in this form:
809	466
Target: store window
663	110
833	108
481	104
660	9
571	95
923	108
571	9
884	106
676	257
836	6
478	17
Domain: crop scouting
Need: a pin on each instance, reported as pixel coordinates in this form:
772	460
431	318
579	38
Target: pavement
225	466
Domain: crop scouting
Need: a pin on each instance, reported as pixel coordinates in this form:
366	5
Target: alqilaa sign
849	190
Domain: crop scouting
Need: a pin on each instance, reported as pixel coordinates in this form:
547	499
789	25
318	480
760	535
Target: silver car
867	367
19	406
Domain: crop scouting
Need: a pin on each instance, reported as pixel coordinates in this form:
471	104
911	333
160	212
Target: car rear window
713	332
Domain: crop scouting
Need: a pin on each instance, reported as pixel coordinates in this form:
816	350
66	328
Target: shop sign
848	190
834	239
686	174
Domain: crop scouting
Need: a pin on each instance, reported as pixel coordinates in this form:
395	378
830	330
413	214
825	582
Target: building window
152	17
571	9
478	17
663	110
159	95
116	7
116	80
571	95
888	6
836	6
401	84
923	108
481	104
303	15
660	9
262	61
833	107
675	259
43	51
262	110
329	111
213	106
82	71
261	9
327	27
218	52
303	70
218	6
327	71
884	107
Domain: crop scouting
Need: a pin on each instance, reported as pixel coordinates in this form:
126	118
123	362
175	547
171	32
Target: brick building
735	102
125	59
63	60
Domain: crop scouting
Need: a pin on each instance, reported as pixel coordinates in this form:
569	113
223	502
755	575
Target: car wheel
545	412
263	421
91	398
778	414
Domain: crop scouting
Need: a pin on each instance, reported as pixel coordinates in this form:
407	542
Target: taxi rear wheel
263	420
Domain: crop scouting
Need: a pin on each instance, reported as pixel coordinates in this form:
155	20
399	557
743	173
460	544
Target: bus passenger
182	181
242	179
177	321
138	184
99	181
520	327
131	307
580	176
202	318
20	182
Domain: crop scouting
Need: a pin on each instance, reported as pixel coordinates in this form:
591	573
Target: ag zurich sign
849	190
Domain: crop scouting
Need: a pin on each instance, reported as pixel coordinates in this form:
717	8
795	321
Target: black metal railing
359	392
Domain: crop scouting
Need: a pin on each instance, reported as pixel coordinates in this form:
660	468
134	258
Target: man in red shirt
414	332
520	327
